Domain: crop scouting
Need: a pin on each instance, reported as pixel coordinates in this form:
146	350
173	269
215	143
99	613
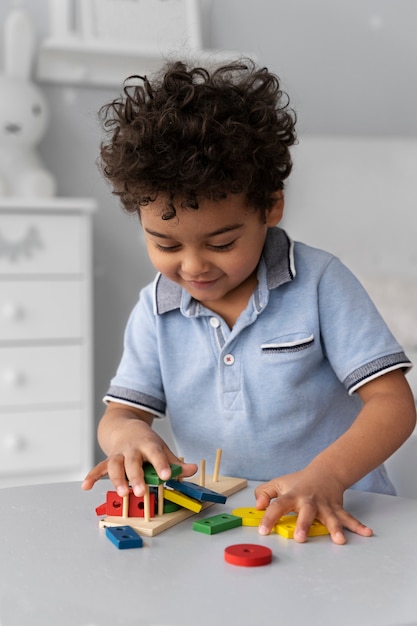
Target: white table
57	568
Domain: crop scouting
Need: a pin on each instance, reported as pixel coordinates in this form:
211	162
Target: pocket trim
288	346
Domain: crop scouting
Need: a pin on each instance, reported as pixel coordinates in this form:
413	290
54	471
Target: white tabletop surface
57	568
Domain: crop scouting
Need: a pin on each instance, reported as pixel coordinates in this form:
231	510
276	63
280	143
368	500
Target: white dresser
46	383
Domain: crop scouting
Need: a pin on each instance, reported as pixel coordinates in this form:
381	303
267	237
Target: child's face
213	251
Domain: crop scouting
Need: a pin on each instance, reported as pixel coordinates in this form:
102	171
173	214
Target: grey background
350	68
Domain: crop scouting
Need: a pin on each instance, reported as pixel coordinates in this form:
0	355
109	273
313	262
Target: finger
134	473
161	458
335	528
273	513
117	474
306	516
264	494
188	469
353	524
99	471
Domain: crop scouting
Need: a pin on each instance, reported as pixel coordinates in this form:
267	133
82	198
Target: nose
193	264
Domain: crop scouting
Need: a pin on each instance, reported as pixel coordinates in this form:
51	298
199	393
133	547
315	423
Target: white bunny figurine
24	115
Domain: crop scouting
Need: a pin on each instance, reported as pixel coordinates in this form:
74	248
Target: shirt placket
229	367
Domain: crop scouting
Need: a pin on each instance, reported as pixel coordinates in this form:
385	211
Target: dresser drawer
44	375
40	310
37	442
40	244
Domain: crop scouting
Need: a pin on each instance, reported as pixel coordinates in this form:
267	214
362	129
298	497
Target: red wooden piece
137	505
114	503
248	555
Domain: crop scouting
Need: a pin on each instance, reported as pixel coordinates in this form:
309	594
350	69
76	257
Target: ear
19	44
275	213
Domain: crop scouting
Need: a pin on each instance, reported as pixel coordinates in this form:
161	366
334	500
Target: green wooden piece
217	523
152	478
170	507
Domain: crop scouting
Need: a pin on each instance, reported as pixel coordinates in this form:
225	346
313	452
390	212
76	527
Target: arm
125	435
386	420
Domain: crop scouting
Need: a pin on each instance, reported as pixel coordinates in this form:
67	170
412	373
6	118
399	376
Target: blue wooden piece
196	491
124	537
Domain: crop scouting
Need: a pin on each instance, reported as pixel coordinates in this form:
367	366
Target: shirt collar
277	257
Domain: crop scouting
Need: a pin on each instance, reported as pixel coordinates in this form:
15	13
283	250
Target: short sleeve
138	378
356	340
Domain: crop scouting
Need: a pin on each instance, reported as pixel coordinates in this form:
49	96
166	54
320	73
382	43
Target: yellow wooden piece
286	527
183	500
250	516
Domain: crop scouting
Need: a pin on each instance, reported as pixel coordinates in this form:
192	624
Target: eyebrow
220	231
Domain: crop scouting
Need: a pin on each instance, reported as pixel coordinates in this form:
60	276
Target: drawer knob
13	378
13	442
12	311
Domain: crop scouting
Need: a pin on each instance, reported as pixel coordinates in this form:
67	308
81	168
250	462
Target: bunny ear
19	44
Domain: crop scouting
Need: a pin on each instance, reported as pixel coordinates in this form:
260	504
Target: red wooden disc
248	555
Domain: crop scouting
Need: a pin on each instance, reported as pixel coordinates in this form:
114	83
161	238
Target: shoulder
306	253
316	264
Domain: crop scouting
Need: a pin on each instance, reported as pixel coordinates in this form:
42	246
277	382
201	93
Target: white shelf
56	203
107	64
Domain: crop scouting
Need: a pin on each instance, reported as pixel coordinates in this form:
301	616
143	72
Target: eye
222	247
36	109
166	248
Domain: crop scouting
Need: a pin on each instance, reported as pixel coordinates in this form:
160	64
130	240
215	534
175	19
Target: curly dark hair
191	132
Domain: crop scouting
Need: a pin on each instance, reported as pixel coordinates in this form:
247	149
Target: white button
214	322
228	359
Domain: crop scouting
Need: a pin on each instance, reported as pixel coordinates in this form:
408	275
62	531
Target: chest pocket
288	344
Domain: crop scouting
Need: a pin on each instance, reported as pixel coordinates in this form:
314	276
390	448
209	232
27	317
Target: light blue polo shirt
277	388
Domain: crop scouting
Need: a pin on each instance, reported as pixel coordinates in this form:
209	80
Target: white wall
350	66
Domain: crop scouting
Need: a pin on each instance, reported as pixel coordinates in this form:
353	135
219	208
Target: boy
268	349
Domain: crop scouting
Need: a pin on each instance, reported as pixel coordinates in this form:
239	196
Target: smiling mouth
202	284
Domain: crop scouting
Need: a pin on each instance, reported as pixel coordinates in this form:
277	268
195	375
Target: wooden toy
169	507
129	506
124	537
286	527
152	478
196	491
202	479
217	523
248	555
182	500
250	516
217	465
225	485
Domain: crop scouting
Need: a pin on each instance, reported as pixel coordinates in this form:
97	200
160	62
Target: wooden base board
226	485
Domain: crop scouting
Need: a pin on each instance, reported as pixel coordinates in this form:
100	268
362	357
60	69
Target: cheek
162	262
246	264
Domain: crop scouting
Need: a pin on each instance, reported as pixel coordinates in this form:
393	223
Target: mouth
202	284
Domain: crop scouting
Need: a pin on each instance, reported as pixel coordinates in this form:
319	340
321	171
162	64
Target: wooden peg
202	481
161	499
125	509
217	465
147	505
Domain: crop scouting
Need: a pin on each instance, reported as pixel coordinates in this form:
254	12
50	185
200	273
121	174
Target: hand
312	496
124	465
